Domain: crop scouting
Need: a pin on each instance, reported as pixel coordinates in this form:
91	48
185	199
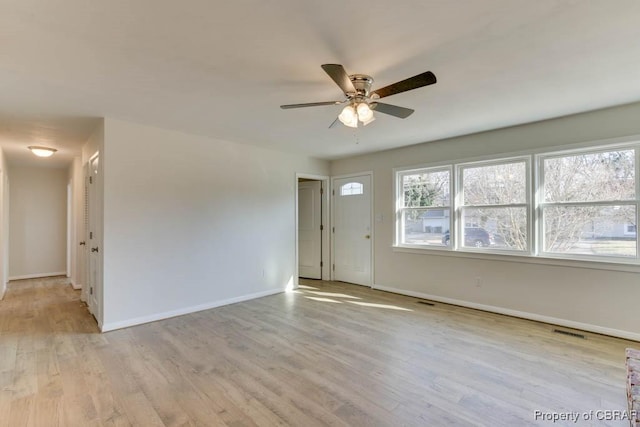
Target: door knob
82	243
94	249
367	236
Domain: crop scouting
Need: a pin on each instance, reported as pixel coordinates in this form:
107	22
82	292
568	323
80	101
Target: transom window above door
351	189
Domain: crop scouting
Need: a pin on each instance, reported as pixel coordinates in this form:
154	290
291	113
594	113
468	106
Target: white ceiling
223	68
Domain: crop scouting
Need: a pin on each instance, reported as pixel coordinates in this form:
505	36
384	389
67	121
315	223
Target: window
351	189
494	205
582	205
588	202
424	211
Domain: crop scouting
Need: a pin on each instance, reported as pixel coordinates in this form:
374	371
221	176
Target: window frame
358	186
541	203
460	204
535	186
400	208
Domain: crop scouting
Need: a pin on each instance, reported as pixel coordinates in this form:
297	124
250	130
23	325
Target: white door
352	229
93	242
310	229
83	259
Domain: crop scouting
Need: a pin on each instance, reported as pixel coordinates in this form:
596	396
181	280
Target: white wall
191	222
4	224
38	222
575	295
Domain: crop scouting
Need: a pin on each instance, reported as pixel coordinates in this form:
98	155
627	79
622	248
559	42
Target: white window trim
460	206
399	207
356	190
541	157
535	183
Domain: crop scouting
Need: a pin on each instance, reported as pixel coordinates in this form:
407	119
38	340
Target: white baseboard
111	326
75	285
515	313
37	276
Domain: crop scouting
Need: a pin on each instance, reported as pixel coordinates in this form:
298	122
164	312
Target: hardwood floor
327	354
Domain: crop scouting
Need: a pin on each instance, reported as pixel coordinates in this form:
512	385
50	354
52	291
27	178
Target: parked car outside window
473	236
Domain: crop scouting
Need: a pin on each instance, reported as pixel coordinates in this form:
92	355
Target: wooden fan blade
340	76
424	79
392	110
310	104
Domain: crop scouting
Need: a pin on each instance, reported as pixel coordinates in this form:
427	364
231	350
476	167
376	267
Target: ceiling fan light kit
361	101
358	112
349	117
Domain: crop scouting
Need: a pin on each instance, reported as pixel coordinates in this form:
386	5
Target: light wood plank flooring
327	354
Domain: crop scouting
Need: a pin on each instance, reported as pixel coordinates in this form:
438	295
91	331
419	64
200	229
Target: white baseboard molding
74	285
111	326
38	275
515	313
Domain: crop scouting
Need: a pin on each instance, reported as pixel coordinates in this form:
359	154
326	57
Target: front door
352	229
310	229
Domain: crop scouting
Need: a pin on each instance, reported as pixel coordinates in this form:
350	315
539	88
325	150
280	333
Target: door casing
93	239
326	244
310	228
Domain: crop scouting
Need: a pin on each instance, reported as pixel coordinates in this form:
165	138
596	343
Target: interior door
310	229
352	229
94	264
83	258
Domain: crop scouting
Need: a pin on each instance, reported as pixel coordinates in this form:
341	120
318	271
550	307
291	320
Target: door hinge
90	180
334	267
321	191
321	264
321	227
91	234
91	290
333	192
333	229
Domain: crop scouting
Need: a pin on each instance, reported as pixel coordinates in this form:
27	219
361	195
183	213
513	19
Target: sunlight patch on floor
324	300
339	298
332	294
387	306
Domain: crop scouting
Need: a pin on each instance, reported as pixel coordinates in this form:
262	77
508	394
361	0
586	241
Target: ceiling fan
361	101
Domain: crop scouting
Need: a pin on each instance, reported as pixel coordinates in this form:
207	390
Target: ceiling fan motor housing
362	83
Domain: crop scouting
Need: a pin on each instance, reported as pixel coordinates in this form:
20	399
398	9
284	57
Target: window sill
631	266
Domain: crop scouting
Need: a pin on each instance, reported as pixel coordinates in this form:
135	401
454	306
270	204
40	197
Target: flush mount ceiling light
42	151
